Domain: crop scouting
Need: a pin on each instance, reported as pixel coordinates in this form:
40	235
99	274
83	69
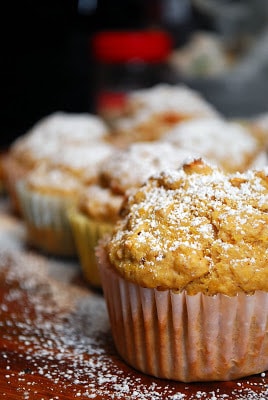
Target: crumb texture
195	228
56	342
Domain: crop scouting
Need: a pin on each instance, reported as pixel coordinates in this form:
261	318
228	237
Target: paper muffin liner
48	226
186	338
86	234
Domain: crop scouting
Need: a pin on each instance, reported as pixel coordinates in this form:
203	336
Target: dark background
46	63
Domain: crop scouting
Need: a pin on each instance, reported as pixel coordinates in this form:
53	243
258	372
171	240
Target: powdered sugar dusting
193	222
227	144
54	179
81	157
164	98
56	341
262	121
69	127
132	166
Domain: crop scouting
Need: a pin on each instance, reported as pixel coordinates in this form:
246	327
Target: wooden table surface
55	340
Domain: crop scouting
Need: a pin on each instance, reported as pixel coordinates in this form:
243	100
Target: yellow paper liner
86	233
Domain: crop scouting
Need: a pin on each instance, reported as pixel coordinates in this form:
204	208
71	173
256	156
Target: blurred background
48	63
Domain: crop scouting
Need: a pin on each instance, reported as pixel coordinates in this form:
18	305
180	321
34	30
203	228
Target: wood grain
55	340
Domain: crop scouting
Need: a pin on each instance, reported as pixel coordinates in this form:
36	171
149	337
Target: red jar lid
123	46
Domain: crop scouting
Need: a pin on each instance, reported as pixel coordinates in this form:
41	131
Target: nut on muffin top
196	229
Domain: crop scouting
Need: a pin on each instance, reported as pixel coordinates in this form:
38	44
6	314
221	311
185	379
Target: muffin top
53	181
130	167
70	127
163	98
49	136
228	144
124	170
99	203
196	229
82	161
260	122
149	113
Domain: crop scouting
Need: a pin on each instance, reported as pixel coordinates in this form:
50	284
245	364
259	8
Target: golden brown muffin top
48	138
53	181
197	229
142	104
99	203
150	112
229	144
123	170
130	167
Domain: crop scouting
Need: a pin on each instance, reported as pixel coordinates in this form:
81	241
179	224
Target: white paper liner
186	338
45	212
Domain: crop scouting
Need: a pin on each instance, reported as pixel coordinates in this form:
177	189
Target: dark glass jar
126	61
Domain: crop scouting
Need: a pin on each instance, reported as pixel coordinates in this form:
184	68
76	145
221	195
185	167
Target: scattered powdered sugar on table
55	335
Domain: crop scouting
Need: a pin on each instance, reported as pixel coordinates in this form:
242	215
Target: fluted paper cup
48	226
87	232
186	338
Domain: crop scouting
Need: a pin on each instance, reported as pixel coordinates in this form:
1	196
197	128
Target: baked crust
197	229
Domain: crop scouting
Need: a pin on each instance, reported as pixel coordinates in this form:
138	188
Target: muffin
256	127
130	167
94	215
44	196
185	274
48	138
99	203
148	113
229	144
47	192
82	160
